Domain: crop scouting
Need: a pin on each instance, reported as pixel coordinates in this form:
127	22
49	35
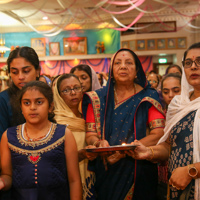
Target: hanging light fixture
3	48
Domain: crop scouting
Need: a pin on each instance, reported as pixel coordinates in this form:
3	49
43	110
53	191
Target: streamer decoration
101	11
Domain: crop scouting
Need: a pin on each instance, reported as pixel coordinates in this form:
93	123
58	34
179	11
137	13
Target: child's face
35	106
171	87
22	72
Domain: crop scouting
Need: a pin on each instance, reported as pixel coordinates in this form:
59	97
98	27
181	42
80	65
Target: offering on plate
123	147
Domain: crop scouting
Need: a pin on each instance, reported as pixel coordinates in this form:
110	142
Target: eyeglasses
188	63
152	81
69	91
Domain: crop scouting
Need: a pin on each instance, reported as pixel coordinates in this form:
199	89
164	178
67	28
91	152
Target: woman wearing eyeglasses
153	79
67	96
181	142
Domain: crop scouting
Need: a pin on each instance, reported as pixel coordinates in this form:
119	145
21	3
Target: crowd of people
48	124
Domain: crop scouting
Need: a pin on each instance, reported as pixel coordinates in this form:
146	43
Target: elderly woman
125	110
67	96
181	140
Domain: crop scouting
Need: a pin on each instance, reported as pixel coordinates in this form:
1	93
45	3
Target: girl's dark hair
85	68
63	77
172	66
193	46
44	89
25	52
173	75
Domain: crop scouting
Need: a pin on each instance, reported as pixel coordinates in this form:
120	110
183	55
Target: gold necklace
116	97
35	139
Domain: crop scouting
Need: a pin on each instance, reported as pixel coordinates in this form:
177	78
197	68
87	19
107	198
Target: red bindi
123	54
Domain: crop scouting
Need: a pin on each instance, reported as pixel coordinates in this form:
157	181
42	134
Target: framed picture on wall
182	43
54	48
75	45
39	45
125	44
171	43
151	44
161	43
141	45
132	45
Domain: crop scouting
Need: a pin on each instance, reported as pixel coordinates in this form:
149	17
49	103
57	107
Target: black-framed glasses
188	63
69	90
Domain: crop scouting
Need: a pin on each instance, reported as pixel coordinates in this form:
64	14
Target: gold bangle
94	144
152	154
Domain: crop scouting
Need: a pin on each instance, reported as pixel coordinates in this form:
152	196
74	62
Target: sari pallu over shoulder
128	178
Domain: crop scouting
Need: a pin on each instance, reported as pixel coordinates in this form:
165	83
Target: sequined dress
39	167
181	140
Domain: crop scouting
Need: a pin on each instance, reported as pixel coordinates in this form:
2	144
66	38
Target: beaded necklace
39	138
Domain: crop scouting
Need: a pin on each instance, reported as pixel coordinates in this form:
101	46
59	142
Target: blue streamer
94	65
145	59
68	64
149	64
105	65
53	66
63	67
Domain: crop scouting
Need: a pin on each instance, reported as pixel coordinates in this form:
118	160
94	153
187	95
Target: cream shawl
179	107
64	115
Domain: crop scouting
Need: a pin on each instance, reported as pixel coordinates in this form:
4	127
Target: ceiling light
45	18
5	1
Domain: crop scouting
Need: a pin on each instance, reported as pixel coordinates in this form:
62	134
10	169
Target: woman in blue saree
125	110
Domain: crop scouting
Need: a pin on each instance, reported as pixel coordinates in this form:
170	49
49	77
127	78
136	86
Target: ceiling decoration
89	14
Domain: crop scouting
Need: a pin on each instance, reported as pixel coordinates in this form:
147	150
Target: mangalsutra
116	97
35	139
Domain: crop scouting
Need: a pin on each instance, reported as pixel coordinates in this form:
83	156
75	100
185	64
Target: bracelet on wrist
152	156
95	143
192	171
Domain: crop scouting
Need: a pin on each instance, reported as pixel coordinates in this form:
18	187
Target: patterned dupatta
179	107
127	178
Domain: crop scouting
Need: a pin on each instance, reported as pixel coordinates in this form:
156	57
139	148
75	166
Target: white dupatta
179	107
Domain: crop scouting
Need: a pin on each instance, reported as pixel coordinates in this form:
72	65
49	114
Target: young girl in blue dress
39	158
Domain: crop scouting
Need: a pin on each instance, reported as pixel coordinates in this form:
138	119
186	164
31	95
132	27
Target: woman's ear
38	72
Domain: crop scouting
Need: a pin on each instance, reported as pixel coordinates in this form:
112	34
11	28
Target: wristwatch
192	171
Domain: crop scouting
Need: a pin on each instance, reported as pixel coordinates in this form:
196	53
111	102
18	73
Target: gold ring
173	186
